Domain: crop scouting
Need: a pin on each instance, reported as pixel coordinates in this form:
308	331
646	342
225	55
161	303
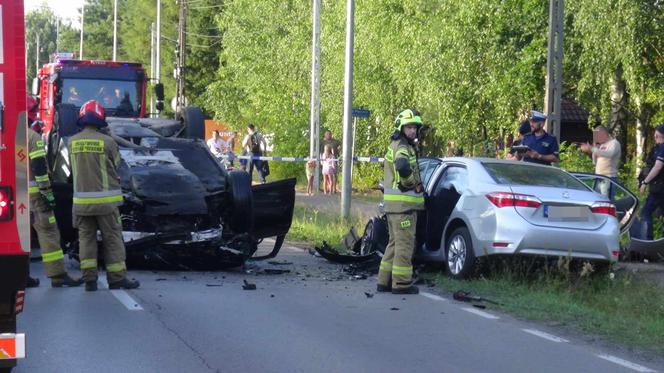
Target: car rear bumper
521	237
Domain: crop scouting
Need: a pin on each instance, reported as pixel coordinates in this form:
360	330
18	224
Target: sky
65	9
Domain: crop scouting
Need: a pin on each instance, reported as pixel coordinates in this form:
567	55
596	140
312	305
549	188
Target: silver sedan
478	207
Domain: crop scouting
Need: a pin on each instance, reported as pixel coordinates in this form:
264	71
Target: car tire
194	122
375	236
242	214
459	254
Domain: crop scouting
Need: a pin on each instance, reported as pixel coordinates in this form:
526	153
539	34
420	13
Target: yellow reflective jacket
399	192
94	161
38	172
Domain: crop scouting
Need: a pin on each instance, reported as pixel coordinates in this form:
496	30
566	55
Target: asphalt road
313	319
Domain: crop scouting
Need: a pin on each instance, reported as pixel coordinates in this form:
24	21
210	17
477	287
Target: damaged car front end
182	209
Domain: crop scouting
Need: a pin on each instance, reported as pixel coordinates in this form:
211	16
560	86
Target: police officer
402	199
543	147
653	180
97	195
42	203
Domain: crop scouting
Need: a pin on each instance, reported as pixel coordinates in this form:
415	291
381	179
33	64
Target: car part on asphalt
248	286
334	256
464	296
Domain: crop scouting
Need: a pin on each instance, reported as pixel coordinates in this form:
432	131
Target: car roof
479	160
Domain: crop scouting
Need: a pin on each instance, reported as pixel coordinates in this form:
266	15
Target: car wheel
374	238
242	215
194	122
459	254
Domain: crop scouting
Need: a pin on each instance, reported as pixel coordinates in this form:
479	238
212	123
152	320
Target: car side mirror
35	86
159	91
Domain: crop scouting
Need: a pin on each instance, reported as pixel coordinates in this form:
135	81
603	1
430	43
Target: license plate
566	213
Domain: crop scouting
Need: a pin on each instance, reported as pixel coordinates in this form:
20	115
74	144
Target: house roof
571	112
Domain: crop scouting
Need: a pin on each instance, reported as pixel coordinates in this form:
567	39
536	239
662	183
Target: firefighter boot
32	282
412	289
91	285
125	283
383	288
65	280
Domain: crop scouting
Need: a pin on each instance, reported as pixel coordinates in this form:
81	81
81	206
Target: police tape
297	159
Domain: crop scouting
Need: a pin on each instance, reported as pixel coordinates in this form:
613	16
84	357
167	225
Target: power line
203	36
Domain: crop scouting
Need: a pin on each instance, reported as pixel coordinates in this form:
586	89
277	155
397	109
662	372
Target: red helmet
32	105
92	113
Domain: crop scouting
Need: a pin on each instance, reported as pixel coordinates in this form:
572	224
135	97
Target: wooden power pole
180	59
554	68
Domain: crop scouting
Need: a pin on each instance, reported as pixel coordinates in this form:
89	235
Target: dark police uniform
655	197
544	145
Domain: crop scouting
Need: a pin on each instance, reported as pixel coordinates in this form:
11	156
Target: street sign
361	113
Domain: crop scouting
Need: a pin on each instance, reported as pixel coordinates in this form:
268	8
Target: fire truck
119	86
14	204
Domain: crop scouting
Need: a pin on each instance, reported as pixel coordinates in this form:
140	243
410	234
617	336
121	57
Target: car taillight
5	203
20	299
505	199
603	208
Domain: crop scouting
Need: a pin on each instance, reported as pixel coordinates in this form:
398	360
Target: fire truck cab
68	83
14	203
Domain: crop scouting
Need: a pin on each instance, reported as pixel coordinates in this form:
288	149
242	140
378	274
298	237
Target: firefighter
402	199
97	195
42	203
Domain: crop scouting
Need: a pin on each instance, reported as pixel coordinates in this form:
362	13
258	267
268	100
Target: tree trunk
619	114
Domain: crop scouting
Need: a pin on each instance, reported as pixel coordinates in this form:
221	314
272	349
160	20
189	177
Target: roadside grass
312	227
616	306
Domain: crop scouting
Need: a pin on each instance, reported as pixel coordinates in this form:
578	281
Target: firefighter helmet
408	116
92	113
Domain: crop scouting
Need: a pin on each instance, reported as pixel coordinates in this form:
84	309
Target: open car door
625	201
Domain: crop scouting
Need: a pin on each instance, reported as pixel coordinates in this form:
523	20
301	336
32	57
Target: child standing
329	169
311	169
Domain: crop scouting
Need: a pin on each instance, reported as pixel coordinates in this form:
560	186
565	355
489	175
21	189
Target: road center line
547	336
433	296
123	297
626	364
486	315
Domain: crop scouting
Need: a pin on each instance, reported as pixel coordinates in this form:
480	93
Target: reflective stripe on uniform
403	198
116	267
87	146
51	219
33	190
37	154
88	263
53	256
41	179
386	266
402	270
88	198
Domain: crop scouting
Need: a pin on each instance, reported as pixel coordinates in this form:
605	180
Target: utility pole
57	35
80	46
115	30
554	68
180	59
152	67
348	112
157	70
37	56
314	138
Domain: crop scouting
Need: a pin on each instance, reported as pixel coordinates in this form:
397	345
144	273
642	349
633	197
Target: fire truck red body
14	205
119	86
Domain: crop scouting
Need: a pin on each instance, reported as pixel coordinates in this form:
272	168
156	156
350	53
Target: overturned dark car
182	209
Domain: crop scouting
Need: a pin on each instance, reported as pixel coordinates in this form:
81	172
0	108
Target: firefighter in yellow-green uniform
402	199
42	203
97	195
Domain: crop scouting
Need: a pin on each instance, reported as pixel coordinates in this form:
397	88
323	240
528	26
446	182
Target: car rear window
525	174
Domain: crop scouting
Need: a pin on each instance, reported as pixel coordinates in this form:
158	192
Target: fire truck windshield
120	98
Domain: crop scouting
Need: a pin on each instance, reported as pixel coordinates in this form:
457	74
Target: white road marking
626	364
123	297
547	336
486	315
433	296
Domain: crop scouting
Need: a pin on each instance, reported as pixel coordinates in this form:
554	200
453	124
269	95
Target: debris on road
394	309
212	285
327	252
248	286
279	263
274	271
464	296
369	295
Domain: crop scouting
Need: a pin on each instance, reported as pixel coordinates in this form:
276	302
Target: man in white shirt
215	143
605	154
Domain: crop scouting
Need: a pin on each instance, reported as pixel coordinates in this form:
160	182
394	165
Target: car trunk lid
561	208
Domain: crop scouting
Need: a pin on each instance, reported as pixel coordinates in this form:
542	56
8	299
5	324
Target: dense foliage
472	67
